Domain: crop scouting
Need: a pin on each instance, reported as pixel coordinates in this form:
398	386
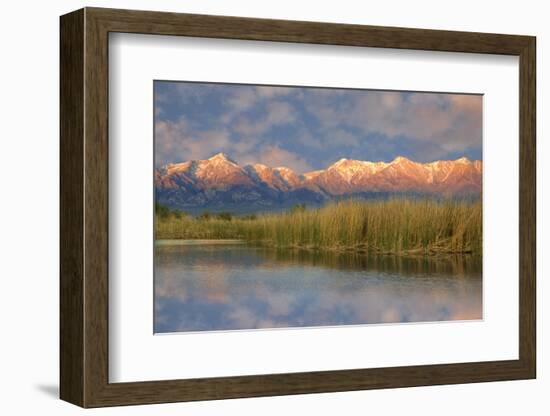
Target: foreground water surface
205	287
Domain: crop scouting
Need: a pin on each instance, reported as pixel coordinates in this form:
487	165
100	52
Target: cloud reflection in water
220	287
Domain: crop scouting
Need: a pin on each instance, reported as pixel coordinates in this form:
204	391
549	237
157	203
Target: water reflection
216	287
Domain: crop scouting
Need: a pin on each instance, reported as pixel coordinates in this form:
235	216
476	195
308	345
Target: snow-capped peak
347	163
177	167
400	159
221	157
342	177
260	166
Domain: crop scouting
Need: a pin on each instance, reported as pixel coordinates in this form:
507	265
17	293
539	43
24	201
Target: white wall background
29	159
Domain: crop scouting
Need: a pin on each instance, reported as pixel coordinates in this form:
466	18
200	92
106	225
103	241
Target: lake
207	287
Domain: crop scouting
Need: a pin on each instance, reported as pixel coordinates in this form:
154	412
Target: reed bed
396	226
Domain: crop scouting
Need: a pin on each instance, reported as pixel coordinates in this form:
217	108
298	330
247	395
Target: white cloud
176	142
341	137
270	92
451	121
244	125
277	113
244	98
275	156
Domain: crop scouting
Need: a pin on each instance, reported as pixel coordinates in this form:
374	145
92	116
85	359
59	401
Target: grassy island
395	226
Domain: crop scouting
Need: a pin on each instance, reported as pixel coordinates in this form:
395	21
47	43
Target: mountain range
221	184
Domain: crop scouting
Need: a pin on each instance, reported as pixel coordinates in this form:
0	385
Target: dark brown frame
84	209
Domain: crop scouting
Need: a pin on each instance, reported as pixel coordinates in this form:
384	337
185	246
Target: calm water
222	287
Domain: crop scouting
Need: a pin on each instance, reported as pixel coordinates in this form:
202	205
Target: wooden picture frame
84	207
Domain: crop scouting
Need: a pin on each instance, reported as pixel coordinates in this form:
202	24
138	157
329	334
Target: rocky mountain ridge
220	183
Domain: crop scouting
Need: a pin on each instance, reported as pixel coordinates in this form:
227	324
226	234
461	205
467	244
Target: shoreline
197	242
358	250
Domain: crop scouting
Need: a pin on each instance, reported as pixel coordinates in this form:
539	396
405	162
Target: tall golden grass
392	226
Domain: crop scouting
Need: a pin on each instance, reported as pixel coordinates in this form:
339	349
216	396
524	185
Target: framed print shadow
254	207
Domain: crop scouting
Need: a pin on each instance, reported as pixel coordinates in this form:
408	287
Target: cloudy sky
310	128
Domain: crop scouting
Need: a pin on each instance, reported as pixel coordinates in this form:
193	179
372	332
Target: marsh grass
396	226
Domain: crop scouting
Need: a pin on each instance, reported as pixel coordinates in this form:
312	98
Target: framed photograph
255	207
